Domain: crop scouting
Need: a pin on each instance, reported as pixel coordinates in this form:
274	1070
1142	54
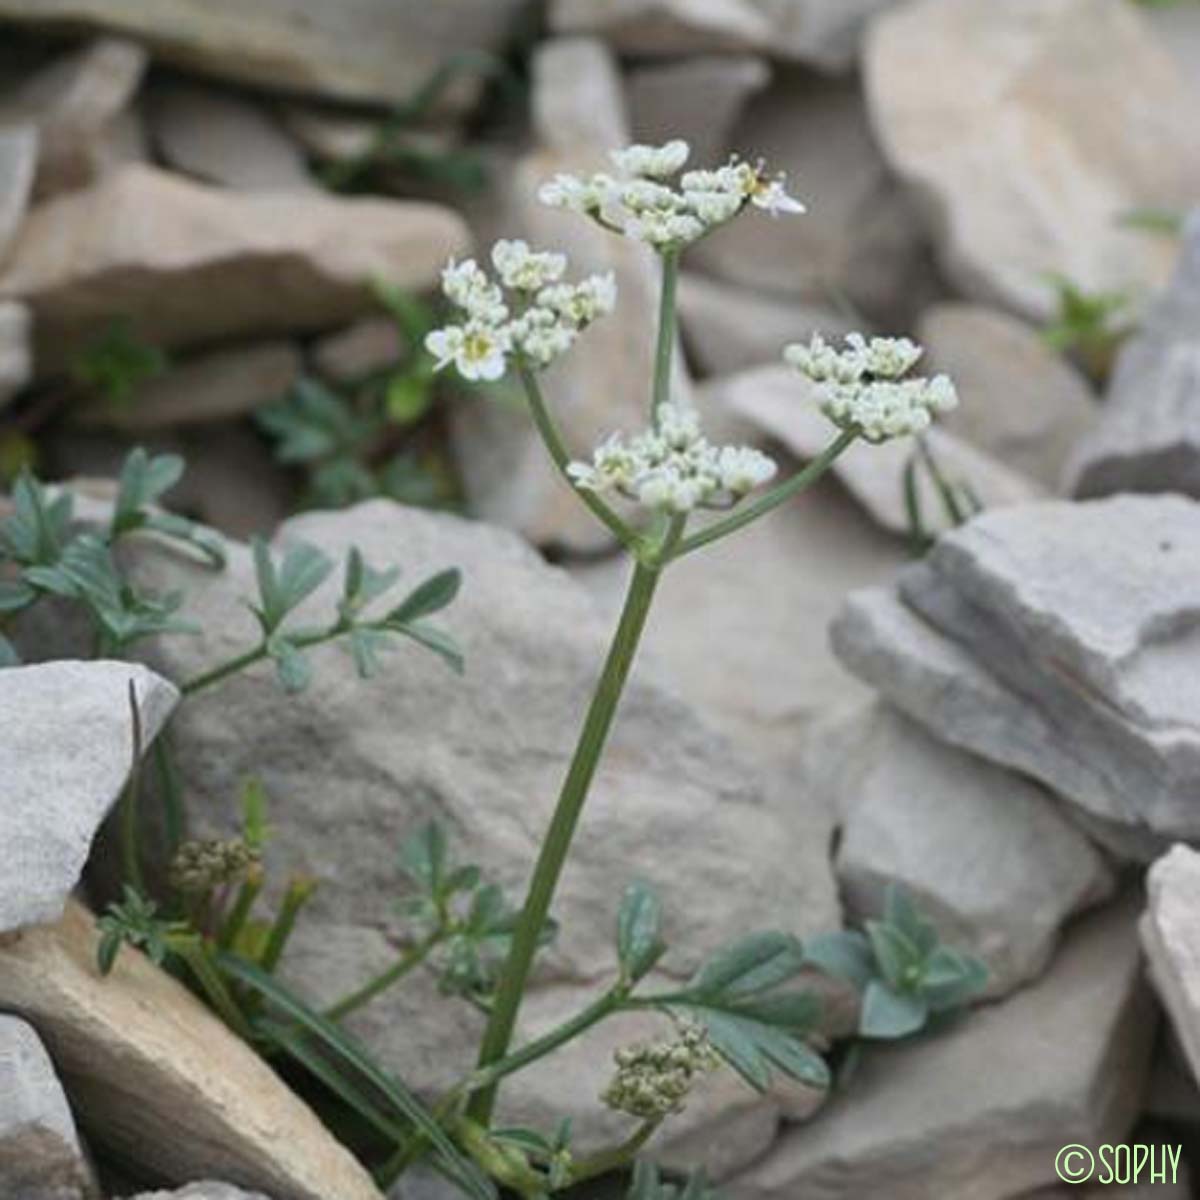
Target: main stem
665	349
558	839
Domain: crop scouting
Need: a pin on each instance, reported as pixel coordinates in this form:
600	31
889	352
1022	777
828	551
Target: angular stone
780	402
1080	620
67	744
370	345
223	138
16	359
981	1109
41	1157
233	264
369	50
1022	403
73	103
158	1079
697	99
578	100
986	853
1028	171
18	165
1148	439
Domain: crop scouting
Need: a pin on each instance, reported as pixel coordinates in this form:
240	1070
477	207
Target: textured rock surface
1148	439
1021	402
203	1191
781	403
230	263
66	742
18	165
41	1157
158	1079
987	854
1029	168
16	357
1055	638
358	50
981	1110
370	345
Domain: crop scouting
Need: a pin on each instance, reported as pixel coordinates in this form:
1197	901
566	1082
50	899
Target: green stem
170	792
248	893
557	842
615	1157
412	957
131	859
209	978
665	350
778	495
232	667
298	894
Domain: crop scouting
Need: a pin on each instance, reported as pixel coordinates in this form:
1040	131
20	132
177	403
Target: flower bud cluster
539	319
638	202
862	386
673	467
200	866
653	1081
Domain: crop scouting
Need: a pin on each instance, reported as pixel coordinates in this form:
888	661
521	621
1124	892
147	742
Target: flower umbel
862	386
653	1081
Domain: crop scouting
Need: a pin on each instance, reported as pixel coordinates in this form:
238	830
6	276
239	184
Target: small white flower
771	195
468	286
583	302
714	207
526	270
572	193
891	358
742	469
477	349
652	162
542	336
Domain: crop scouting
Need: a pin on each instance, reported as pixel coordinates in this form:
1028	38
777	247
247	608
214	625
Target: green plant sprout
117	363
1087	325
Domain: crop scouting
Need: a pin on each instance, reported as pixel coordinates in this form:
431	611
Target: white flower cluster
862	386
673	466
549	314
639	203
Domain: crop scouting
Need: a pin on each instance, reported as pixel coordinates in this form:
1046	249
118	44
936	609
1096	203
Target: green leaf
255	830
291	666
900	911
38	527
427	598
888	1014
284	587
798	1012
348	1052
190	534
845	954
363	583
365	645
753	1049
751	964
15	596
434	639
423	857
8	653
143	481
898	957
408	397
639	930
951	979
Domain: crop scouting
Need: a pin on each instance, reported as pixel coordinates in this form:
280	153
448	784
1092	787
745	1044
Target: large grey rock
979	1111
1030	167
370	50
203	1191
18	165
1055	638
67	744
1021	402
782	404
1148	439
233	264
41	1157
16	358
987	854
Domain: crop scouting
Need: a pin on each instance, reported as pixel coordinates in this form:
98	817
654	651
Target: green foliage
904	973
959	500
1089	325
133	921
1166	222
639	932
648	1184
117	363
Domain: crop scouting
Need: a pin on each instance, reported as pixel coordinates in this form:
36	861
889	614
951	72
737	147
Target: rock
697	99
364	348
1172	1094
1022	403
223	138
233	264
781	403
981	1109
18	165
822	33
1031	167
578	101
1178	27
41	1157
987	854
205	388
158	1080
66	737
366	50
1078	620
728	328
73	103
203	1191
16	360
333	135
859	240
1148	439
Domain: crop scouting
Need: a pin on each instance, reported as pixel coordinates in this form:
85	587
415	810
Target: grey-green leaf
639	930
888	1014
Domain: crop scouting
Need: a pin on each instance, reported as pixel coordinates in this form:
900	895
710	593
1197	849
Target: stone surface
697	99
781	403
223	138
205	388
73	103
728	328
979	1111
41	1157
158	1079
823	33
1148	439
66	739
1022	403
860	240
370	345
18	165
203	1191
230	264
370	50
16	358
1057	639
578	101
1030	168
986	854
